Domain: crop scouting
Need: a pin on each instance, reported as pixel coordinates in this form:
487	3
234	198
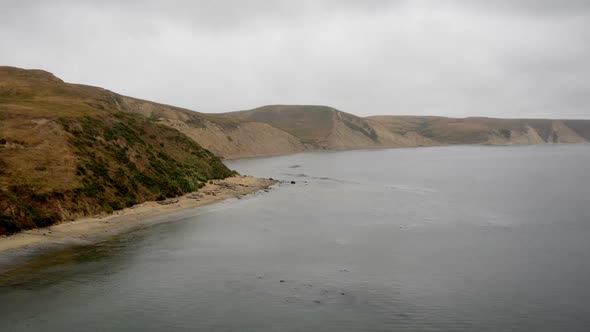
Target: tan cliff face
247	139
342	131
399	132
283	129
68	150
557	133
564	134
524	136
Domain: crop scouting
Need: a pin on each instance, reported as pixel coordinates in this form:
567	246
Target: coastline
90	230
271	155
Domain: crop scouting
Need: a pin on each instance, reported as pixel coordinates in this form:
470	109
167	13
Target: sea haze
443	238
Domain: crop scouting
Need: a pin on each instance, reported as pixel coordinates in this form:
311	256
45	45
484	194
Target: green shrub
107	208
80	170
9	224
39	197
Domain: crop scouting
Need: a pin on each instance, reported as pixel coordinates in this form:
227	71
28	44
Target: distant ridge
68	150
325	128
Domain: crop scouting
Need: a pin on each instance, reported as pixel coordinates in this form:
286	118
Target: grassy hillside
320	127
312	124
488	130
71	150
308	123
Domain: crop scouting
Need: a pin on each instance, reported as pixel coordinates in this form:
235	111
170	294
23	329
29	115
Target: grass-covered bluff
122	160
68	151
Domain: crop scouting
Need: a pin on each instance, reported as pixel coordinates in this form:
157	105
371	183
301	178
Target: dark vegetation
69	150
123	159
543	127
506	133
82	150
359	125
152	160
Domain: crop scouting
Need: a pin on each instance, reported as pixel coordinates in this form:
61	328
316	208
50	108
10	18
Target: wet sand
95	229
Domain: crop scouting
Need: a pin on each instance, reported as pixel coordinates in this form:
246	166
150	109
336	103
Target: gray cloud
455	58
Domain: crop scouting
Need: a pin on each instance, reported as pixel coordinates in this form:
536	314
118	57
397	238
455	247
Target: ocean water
426	239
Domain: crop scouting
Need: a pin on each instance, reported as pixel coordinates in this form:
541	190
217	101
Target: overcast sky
528	58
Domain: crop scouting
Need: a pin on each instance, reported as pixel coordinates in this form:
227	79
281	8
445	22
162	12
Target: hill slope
487	130
70	150
325	128
317	127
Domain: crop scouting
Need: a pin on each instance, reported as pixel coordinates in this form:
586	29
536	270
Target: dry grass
68	150
308	123
38	155
473	130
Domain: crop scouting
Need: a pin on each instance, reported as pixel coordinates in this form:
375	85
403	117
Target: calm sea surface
428	239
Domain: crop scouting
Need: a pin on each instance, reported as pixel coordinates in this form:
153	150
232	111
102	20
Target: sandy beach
97	228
